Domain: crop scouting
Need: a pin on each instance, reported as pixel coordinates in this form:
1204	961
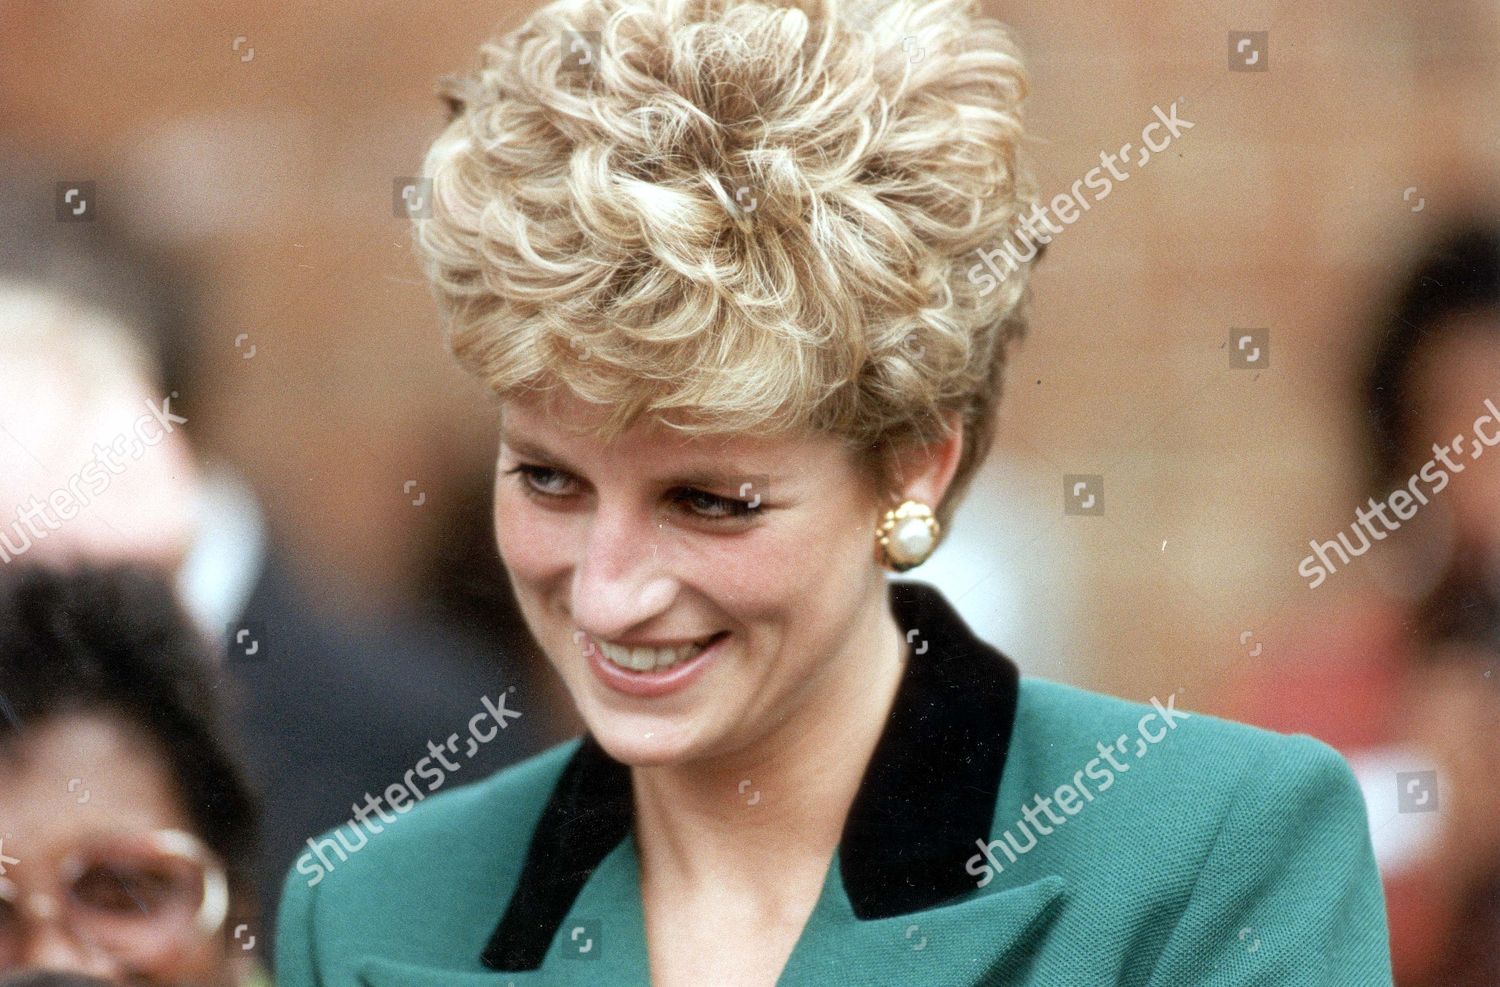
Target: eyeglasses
137	897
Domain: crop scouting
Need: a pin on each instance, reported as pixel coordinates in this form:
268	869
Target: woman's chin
645	740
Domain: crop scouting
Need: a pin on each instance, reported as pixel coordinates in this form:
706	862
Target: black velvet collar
930	787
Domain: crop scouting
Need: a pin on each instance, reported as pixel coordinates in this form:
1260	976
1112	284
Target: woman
127	833
717	261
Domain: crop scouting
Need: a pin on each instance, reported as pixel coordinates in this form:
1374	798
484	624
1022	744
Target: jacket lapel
603	939
979	941
930	788
600	940
585	821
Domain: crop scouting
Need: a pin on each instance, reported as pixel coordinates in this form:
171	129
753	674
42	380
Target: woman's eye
715	507
122	891
540	480
543	482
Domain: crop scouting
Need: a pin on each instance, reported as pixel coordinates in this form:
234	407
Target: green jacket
1008	830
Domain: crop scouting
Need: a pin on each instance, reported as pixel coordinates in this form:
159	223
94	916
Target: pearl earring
907	535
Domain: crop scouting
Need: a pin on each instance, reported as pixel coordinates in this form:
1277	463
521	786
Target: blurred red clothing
1346	677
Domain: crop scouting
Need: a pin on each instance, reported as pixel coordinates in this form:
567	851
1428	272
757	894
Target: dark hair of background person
112	641
1464	608
1456	275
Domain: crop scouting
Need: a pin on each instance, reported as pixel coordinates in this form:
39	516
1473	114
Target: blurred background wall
261	142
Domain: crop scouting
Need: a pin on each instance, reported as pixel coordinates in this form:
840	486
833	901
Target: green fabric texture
1220	854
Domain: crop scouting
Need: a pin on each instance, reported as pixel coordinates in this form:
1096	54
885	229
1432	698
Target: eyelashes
699	504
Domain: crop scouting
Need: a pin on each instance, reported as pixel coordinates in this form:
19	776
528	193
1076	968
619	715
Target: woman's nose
620	578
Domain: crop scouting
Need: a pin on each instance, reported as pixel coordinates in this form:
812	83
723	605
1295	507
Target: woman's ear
924	472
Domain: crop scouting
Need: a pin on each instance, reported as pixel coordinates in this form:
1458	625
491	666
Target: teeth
647	659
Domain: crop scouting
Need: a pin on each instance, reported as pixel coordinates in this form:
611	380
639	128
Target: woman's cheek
532	540
754	574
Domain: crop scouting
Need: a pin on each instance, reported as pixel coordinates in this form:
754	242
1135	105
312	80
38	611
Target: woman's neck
752	819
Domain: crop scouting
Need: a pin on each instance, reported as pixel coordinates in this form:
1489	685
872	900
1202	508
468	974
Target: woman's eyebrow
525	447
731	476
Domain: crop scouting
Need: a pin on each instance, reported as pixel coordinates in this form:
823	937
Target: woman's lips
657	681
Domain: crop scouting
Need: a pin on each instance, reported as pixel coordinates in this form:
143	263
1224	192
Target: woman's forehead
563	422
78	772
670	455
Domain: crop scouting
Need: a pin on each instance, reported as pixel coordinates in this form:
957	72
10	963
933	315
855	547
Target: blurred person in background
127	827
1400	670
96	384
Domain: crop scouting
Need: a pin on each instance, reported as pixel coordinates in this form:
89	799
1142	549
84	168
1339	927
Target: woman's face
652	539
67	783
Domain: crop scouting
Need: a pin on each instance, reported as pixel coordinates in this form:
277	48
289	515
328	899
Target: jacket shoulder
1176	775
1055	714
1212	834
491	818
442	868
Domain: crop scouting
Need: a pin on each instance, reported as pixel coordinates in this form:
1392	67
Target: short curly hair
739	217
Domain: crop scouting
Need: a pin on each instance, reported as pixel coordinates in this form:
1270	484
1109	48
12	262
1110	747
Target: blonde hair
739	217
